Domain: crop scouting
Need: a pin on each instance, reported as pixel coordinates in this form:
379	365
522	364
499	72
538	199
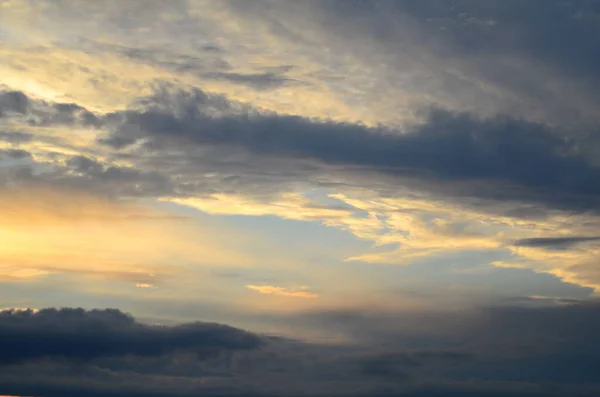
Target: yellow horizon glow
294	293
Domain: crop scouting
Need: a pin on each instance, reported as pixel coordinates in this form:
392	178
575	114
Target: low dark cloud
501	351
554	242
80	334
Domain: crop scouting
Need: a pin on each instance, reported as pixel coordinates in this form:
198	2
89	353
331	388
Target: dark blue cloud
502	351
563	34
554	242
456	154
80	334
504	153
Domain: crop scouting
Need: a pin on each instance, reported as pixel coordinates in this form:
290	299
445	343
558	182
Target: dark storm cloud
554	242
76	333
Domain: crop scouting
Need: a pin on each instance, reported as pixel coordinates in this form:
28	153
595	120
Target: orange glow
47	231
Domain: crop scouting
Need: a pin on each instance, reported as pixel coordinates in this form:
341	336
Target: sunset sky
378	198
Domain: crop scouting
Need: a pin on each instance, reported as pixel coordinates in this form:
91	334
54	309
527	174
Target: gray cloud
554	242
176	139
532	60
14	154
42	113
257	80
508	351
562	33
178	133
121	181
510	156
15	137
13	101
76	333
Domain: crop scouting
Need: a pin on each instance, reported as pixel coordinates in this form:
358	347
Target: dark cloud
41	113
513	156
554	242
15	137
166	58
501	351
80	334
257	80
174	137
14	154
403	363
13	101
560	33
455	51
544	300
121	181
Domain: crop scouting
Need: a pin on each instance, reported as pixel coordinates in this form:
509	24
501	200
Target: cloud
13	102
295	293
501	351
76	333
425	129
395	58
38	112
224	157
514	159
259	81
554	242
521	158
14	154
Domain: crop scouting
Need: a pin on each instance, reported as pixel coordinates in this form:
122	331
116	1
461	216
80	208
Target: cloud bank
481	353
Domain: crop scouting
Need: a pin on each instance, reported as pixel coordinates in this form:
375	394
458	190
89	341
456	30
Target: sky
299	198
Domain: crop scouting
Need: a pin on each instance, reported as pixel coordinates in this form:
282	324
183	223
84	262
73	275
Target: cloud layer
481	353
